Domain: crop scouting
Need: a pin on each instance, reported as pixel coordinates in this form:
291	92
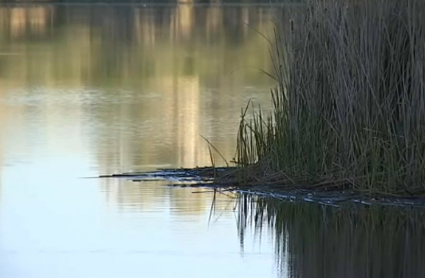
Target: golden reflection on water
156	195
128	88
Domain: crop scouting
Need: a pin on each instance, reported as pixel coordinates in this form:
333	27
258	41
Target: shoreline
212	178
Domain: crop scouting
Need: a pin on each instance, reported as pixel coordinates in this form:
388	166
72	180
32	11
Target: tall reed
349	107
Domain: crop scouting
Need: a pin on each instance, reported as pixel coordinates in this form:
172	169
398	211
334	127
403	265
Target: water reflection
88	90
127	88
139	197
167	74
316	241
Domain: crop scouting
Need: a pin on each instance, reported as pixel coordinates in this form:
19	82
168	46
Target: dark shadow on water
318	241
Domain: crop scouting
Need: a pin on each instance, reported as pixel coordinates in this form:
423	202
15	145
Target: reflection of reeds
350	105
317	241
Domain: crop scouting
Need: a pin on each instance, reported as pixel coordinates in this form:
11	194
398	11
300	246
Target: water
359	241
90	90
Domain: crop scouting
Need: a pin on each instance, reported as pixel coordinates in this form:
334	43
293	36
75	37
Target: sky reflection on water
89	90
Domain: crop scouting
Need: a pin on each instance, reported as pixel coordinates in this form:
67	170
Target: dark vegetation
349	107
319	241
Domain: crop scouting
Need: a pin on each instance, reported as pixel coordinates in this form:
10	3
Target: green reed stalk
350	102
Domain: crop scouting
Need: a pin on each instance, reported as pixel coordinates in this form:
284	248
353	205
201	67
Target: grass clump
349	107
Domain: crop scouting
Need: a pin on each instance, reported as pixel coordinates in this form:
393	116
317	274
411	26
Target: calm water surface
89	90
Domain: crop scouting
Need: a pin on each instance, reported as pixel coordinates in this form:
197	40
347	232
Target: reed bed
349	107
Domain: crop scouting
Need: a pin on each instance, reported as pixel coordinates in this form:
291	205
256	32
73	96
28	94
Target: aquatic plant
349	107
